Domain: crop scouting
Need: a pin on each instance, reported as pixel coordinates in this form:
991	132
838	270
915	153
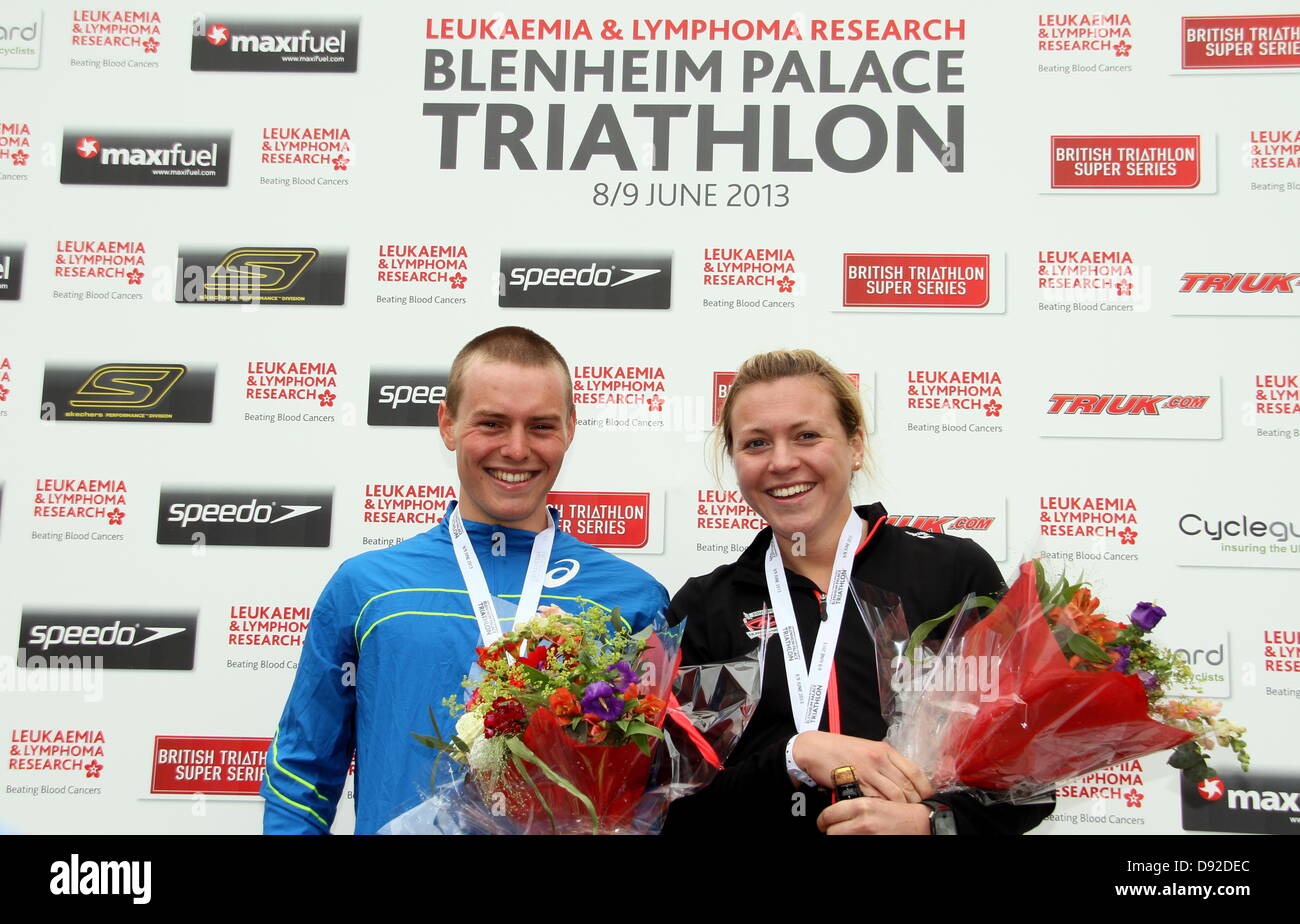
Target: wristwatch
941	819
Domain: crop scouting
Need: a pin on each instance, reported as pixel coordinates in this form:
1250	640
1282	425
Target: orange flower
630	693
1080	615
564	704
650	707
596	730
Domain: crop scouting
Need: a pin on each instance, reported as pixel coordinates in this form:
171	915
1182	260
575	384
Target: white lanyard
808	685
485	613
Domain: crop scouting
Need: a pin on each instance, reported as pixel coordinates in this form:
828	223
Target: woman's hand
882	771
874	816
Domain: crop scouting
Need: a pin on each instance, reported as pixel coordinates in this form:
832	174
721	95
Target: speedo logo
528	277
938	524
1239	282
45	636
116	640
261	517
1123	404
395	396
608	280
252	512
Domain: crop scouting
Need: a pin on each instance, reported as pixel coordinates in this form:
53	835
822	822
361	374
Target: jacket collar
749	567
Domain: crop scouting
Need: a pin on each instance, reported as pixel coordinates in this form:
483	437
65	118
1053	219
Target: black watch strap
941	817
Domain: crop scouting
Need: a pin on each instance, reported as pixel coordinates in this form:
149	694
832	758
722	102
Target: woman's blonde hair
782	364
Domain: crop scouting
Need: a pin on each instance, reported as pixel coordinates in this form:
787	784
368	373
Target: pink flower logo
327	398
341	162
655	403
1127	536
1123	287
1133	798
992	408
458	281
135	277
20	158
115	516
785	284
93	769
1122	49
150	45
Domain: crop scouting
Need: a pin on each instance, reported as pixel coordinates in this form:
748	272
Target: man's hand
874	816
882	771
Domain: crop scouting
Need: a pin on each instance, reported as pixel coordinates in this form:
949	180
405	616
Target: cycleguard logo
268	517
126	640
151	392
224	43
1258	803
113	157
215	766
1188	410
929	281
1255	535
406	397
20	36
547	280
261	275
11	272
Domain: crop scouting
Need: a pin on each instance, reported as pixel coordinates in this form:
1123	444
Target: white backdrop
1063	291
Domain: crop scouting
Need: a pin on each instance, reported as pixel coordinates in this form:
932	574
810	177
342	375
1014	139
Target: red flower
537	658
506	718
596	730
564	704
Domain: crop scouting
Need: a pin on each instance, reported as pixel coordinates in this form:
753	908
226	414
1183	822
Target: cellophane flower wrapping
994	707
587	788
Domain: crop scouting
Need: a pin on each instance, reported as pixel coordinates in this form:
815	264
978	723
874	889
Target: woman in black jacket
793	428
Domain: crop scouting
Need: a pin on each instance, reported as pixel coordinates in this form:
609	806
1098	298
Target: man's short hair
517	345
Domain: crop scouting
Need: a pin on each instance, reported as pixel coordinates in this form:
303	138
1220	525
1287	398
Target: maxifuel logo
11	272
149	392
20	36
406	397
541	280
224	43
1258	803
270	517
126	640
121	158
261	275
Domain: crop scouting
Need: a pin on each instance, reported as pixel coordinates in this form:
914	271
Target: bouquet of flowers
1042	689
571	726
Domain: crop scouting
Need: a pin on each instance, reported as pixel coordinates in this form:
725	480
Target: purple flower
625	676
1146	615
1122	664
1149	680
601	700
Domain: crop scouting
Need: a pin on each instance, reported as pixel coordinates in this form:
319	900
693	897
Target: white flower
469	727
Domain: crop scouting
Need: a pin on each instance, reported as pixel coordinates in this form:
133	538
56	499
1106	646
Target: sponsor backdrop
1053	242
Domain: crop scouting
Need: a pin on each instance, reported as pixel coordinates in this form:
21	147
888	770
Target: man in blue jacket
395	629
